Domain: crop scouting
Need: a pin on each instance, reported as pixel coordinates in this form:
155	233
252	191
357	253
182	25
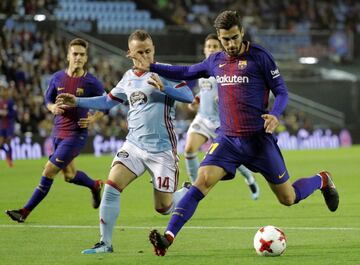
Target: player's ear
128	54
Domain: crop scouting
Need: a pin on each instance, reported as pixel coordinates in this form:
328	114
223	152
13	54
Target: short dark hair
80	42
227	19
140	35
212	36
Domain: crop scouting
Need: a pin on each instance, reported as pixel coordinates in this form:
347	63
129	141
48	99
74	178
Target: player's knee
204	182
190	149
287	200
50	172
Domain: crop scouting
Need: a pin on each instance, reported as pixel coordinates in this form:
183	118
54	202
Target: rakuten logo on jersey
226	80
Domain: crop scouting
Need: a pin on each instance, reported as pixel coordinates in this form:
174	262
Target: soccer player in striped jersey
245	73
70	129
207	121
7	121
151	142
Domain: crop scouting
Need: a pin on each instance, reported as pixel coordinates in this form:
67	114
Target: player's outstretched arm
181	92
191	72
178	72
98	103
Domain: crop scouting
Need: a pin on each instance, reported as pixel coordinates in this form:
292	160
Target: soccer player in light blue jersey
207	121
245	73
151	142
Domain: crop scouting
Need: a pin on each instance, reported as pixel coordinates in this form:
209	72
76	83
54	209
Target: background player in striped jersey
69	130
245	74
7	121
207	121
151	142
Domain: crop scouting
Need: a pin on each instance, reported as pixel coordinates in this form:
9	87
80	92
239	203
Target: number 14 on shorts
163	182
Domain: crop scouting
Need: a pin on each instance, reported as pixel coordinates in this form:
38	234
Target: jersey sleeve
50	93
98	88
175	72
270	70
177	90
96	103
274	82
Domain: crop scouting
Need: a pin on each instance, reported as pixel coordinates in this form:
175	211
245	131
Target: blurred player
151	142
207	121
70	129
245	74
7	121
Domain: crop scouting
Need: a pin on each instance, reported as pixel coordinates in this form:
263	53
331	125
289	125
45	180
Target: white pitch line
186	227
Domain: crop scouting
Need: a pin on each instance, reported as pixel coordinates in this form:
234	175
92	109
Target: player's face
211	46
231	40
144	48
77	57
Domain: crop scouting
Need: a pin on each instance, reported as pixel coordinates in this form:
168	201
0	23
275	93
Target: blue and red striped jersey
7	122
244	83
66	125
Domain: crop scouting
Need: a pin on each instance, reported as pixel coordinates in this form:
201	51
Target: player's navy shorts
65	150
260	153
7	132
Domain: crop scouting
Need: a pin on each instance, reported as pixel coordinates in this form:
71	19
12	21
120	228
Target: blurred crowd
26	7
198	15
293	120
28	59
292	15
29	56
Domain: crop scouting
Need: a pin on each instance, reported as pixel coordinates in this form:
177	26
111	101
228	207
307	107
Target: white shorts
204	127
162	166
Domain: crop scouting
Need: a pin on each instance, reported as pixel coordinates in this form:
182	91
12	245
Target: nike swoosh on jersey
282	175
60	88
222	65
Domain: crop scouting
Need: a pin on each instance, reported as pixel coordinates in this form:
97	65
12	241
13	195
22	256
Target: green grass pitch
221	231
